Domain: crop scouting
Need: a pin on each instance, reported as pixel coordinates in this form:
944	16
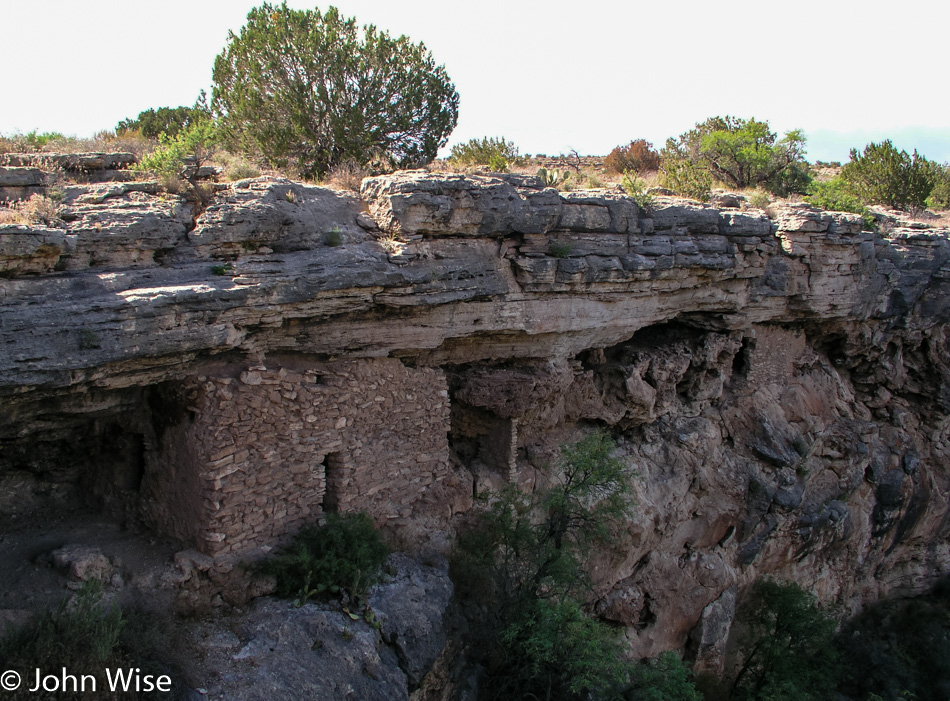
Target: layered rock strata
778	383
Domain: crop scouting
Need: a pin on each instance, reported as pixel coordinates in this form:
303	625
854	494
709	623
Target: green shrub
151	123
760	199
636	190
899	649
333	238
523	560
686	177
940	194
552	650
178	159
496	153
834	196
638	156
559	250
787	652
310	90
742	153
80	635
664	679
39	141
884	175
193	146
86	637
342	557
591	180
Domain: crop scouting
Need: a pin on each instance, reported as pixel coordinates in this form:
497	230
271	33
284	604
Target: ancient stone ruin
223	375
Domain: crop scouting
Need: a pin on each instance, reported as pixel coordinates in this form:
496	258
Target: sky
550	76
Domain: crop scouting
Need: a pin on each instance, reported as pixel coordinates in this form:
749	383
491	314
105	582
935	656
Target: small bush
80	635
333	238
552	650
559	250
193	146
496	153
347	176
152	123
686	178
36	210
638	156
741	153
235	166
87	637
884	175
940	194
899	649
178	160
636	190
524	560
834	196
759	199
592	181
341	557
664	679
787	652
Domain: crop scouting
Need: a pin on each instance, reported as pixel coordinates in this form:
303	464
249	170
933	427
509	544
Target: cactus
553	178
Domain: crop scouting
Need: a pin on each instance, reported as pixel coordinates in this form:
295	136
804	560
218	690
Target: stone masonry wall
274	448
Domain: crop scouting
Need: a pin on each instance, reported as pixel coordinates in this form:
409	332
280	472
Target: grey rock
726	200
79	162
802	218
275	213
708	639
415	202
83	563
308	652
20	177
411	609
745	224
670	213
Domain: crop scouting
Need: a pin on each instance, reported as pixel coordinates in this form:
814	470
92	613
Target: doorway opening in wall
333	474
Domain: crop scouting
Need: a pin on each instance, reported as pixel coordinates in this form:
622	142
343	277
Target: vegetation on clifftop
309	91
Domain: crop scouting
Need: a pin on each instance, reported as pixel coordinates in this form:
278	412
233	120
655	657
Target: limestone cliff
779	383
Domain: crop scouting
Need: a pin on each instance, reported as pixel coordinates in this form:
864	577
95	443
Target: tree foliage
552	650
834	196
664	679
900	649
309	90
524	561
638	156
531	546
164	120
788	651
343	556
742	153
178	159
940	194
495	152
883	175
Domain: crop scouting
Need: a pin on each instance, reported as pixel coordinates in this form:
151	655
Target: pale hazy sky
548	75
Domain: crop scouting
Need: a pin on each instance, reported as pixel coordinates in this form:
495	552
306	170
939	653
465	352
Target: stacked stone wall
262	441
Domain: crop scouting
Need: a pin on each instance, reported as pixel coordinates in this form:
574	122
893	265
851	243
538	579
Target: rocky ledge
779	381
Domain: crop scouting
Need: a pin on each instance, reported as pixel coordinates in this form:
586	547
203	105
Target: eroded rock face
779	385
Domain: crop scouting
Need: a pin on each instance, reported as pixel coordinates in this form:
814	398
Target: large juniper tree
309	90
